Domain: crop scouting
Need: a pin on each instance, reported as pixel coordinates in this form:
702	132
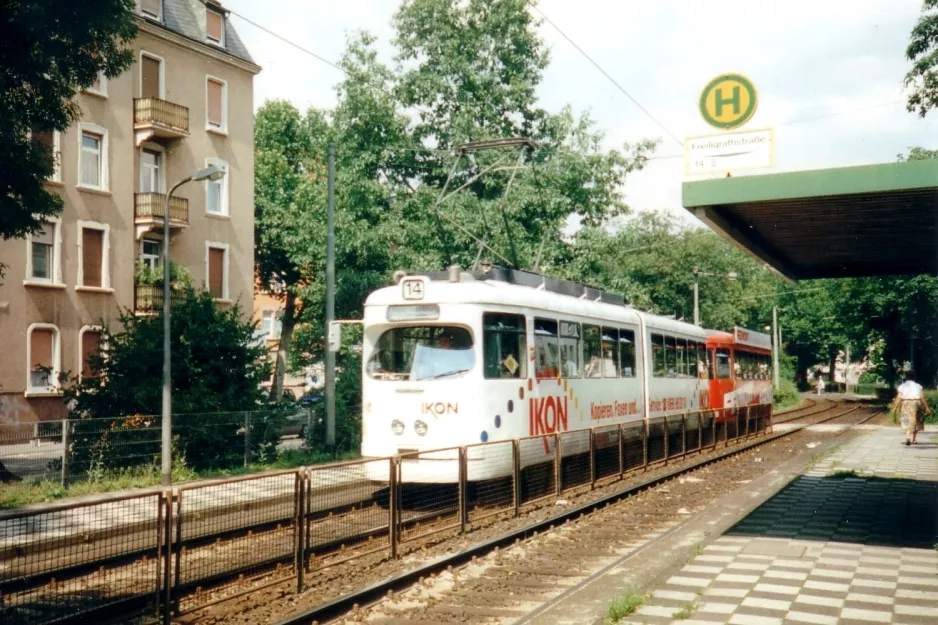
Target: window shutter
40	348
150	70
92	256
90	345
216	272
214	23
151	7
215	103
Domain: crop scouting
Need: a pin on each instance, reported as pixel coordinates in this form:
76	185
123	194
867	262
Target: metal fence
77	449
159	552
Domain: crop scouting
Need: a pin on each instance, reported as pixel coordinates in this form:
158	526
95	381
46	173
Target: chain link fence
91	449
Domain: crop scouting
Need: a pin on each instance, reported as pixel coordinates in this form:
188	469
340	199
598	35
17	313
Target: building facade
186	103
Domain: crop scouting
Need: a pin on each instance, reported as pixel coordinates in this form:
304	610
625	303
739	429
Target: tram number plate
413	289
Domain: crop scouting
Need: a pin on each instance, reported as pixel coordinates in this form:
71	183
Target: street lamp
210	173
730	276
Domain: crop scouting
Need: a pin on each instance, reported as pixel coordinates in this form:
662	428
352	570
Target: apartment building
186	103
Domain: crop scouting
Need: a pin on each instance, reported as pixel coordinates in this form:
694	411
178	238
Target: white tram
458	358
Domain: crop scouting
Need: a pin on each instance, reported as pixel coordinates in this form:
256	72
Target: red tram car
740	369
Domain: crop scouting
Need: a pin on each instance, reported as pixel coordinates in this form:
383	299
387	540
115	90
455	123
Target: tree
50	50
217	368
923	53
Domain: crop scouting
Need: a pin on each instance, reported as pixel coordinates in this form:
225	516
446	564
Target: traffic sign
728	101
729	151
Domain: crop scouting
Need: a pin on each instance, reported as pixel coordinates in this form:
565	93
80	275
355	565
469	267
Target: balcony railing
148	298
161	118
148	209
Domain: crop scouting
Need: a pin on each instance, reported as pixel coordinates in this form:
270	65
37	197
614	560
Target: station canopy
871	220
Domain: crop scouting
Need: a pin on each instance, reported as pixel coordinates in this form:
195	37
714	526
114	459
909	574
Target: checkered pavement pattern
830	549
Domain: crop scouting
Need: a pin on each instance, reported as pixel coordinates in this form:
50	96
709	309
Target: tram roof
871	220
499	293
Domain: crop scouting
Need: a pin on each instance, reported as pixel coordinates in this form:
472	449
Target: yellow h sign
728	101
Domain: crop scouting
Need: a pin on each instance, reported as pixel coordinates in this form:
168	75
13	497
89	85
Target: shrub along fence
155	552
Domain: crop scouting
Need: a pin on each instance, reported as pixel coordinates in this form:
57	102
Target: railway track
512	575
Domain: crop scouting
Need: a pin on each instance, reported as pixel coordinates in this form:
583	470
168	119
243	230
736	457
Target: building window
216	269
151	175
93	255
99	86
43	349
272	323
92	157
50	141
89	339
214	26
152	83
216	98
151	8
150	253
216	191
43	262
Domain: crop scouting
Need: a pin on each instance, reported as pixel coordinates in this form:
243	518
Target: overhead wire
634	101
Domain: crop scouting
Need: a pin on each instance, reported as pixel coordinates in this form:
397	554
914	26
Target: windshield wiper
448	373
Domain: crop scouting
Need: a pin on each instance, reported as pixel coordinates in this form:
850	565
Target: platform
851	541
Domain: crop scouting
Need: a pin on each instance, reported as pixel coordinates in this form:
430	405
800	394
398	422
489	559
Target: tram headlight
420	428
397	427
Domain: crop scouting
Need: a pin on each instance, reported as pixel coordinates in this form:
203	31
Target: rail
155	551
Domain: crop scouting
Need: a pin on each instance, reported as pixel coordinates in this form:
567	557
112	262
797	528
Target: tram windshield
422	353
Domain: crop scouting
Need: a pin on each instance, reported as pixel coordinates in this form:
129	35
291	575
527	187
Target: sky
828	72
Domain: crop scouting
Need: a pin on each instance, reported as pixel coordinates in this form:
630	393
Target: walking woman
911	405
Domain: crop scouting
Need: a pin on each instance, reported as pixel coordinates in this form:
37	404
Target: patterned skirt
911	415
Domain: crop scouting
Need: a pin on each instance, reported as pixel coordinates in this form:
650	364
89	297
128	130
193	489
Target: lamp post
732	275
210	173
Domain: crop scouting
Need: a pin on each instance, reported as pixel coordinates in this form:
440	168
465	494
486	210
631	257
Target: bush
786	395
217	371
932	398
348	409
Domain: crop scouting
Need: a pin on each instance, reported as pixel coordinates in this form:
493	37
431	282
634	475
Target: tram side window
670	353
504	345
659	366
547	351
570	349
723	364
592	352
627	353
703	362
681	369
610	339
692	359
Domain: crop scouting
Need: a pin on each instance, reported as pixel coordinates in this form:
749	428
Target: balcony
155	118
148	212
148	298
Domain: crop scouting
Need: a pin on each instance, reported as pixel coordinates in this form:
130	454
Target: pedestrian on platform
820	385
911	405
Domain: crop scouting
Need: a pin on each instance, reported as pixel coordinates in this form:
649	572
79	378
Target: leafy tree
50	50
923	53
217	368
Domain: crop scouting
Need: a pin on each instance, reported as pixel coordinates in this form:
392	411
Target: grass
30	492
686	611
623	606
843	473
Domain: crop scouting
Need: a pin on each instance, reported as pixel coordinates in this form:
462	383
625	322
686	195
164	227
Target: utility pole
776	338
330	299
696	301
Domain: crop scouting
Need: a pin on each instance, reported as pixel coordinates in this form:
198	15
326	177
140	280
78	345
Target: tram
456	358
740	369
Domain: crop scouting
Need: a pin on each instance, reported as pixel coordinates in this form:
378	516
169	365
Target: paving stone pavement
851	542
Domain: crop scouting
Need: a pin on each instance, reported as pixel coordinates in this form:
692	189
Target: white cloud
823	69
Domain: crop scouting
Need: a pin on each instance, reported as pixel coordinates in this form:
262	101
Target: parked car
300	418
